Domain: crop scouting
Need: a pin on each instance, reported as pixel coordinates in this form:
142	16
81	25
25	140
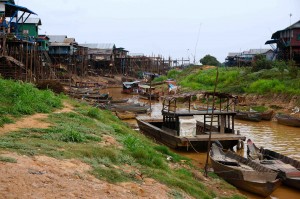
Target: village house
101	56
287	43
247	57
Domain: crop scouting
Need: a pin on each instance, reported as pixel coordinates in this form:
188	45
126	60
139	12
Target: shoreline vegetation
114	151
274	88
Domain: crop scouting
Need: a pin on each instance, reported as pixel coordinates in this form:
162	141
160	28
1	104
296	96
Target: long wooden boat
289	169
102	96
243	173
249	116
267	115
135	108
112	101
126	115
190	129
288	120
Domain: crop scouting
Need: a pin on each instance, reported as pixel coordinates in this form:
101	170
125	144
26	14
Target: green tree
210	60
281	66
260	62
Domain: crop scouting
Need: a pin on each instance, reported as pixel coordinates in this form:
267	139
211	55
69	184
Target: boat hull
292	182
248	116
288	120
199	142
252	177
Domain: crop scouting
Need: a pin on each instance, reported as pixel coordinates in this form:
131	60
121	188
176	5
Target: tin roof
59	44
57	38
257	51
37	21
100	45
233	54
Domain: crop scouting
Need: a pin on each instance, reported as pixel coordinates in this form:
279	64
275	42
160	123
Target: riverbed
268	134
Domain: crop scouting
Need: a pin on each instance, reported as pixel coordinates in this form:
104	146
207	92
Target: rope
191	145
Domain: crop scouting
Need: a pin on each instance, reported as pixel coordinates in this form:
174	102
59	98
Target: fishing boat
267	115
135	108
243	173
249	116
190	129
289	169
148	92
126	115
288	120
131	87
111	101
103	96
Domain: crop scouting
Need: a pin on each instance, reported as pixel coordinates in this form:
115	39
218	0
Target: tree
260	62
210	60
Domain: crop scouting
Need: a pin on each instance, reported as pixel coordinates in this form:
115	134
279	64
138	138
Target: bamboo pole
211	121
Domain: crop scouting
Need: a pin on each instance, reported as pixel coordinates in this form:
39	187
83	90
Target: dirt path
45	177
35	121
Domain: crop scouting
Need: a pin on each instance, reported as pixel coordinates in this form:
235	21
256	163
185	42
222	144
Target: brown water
270	135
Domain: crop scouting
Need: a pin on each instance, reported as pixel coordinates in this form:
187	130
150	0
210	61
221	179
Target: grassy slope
79	134
237	80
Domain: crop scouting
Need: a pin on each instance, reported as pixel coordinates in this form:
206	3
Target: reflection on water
270	135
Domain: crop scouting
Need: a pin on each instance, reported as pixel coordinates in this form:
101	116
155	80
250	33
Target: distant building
28	28
287	43
100	51
247	57
61	45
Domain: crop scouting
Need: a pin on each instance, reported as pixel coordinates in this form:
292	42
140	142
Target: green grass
238	80
81	134
19	99
7	159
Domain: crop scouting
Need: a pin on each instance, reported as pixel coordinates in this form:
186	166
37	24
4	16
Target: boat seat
229	163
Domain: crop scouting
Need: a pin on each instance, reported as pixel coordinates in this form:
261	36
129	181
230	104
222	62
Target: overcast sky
176	28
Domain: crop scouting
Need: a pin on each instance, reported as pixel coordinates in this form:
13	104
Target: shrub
266	86
260	62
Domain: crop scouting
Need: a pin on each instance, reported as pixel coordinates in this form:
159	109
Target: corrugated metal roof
99	45
295	25
29	21
233	54
57	38
59	44
258	51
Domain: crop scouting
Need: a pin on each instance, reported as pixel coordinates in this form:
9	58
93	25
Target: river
269	134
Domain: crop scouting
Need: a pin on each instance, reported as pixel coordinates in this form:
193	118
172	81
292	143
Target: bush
266	86
293	69
260	62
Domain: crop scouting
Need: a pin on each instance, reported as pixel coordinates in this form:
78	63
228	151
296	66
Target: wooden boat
131	87
289	169
148	92
288	120
135	108
102	96
243	173
267	115
189	129
248	116
125	115
112	101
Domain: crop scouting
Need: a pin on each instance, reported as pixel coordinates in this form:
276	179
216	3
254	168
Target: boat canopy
129	84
